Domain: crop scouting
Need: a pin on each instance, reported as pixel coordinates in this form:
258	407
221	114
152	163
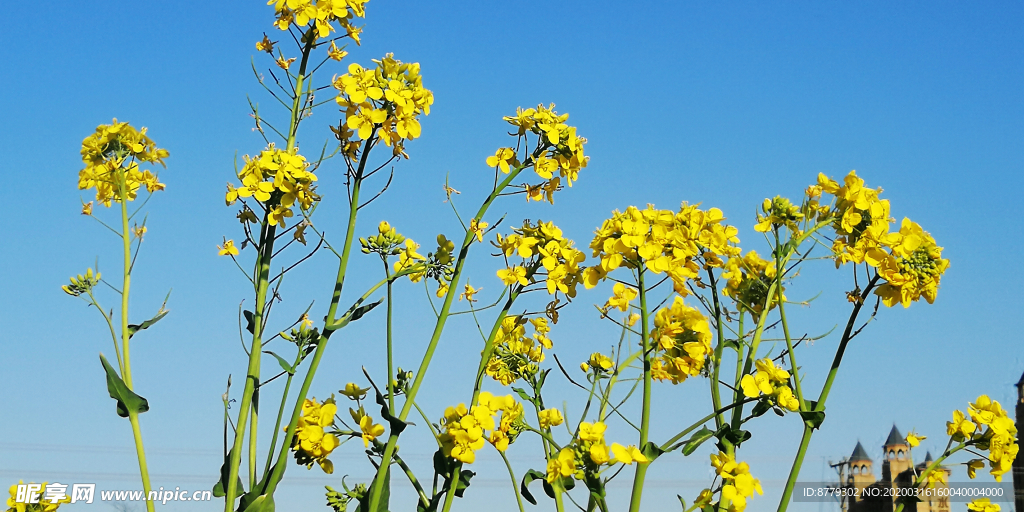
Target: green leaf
733	344
733	436
385	495
528	478
696	440
761	408
651	451
354	313
250	321
220	488
127	401
681	501
397	425
263	503
813	419
464	477
284	364
134	328
523	394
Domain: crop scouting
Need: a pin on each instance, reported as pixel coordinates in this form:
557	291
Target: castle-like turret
897	455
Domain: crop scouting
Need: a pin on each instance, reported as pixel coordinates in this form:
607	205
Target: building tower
861	474
897	456
1018	463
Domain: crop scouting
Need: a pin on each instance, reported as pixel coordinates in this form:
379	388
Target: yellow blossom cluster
909	260
778	212
912	269
983	505
771	381
749	279
662	241
43	504
682	342
559	153
598	362
465	431
368	430
278	179
545	252
589	452
112	155
515	355
999	436
321	12
311	443
738	484
385	101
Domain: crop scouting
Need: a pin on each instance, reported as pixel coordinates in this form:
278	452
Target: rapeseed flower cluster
737	482
909	260
82	283
320	12
983	505
43	505
682	342
277	179
465	430
311	443
770	381
386	100
778	212
662	241
559	155
749	279
112	155
589	453
516	356
999	436
545	252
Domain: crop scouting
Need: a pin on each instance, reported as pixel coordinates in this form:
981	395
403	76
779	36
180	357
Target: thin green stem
820	405
515	484
785	325
716	399
391	361
278	471
435	337
645	414
126	371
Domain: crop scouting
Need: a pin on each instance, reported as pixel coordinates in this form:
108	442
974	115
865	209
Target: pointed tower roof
895	437
928	458
859	453
1020	383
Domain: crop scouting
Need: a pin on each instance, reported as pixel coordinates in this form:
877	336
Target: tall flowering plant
687	302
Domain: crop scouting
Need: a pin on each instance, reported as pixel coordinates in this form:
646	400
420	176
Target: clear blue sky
724	105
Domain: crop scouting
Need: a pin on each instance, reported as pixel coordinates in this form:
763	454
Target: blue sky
719	104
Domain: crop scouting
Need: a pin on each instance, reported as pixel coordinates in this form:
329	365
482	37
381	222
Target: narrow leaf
696	440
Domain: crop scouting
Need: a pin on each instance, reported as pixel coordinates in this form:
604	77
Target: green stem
435	337
785	324
716	399
645	414
279	467
140	452
424	500
126	370
391	362
515	484
266	251
820	405
794	471
924	474
280	413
